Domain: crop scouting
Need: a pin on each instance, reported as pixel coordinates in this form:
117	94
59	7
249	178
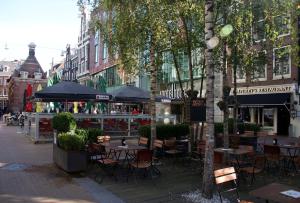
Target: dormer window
24	74
37	75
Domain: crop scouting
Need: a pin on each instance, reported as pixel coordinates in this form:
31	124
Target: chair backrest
144	155
271	150
170	144
247	147
223	176
158	144
143	141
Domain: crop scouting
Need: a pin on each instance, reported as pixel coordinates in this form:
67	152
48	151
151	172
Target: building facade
83	73
29	72
269	93
70	64
6	70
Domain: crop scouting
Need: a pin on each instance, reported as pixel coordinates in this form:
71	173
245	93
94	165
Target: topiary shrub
252	127
64	122
83	134
93	133
70	142
165	131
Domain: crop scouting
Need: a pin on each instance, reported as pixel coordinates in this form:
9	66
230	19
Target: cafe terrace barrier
38	125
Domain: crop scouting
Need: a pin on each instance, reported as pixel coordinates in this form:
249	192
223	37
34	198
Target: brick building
6	70
29	72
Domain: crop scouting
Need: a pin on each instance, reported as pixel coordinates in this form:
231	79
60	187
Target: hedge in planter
64	122
165	131
69	154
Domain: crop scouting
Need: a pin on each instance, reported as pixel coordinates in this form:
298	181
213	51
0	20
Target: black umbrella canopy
130	93
70	91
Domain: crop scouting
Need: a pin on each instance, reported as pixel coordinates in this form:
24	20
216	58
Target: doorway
283	121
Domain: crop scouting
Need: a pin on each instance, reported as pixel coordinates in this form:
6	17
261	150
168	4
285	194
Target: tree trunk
225	100
178	74
207	184
153	72
235	108
201	89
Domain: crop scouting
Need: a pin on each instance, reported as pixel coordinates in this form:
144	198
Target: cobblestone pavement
27	174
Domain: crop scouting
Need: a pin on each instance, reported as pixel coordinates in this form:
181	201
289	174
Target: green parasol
101	86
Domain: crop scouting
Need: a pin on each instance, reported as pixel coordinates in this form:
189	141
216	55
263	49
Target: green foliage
219	127
166	131
63	122
252	127
93	133
83	134
70	142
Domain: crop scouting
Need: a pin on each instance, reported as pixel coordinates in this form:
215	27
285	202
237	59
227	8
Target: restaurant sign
272	89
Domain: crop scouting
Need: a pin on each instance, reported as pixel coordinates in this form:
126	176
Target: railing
38	125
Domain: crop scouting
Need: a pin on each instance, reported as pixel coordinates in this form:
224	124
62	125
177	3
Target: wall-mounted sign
198	110
271	89
102	97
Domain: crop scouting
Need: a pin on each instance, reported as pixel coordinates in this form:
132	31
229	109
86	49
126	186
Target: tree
136	32
207	184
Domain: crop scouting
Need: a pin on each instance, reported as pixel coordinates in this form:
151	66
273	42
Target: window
183	64
105	52
24	74
4	92
5	69
259	67
259	22
282	24
96	42
37	75
282	63
1	81
240	75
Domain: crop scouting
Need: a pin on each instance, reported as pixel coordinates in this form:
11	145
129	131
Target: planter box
69	161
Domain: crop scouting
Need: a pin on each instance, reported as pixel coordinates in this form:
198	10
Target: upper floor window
240	75
37	75
4	92
259	71
281	63
259	20
96	42
282	24
105	52
24	74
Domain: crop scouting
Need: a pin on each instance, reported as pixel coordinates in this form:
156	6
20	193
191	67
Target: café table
116	150
292	152
236	153
272	192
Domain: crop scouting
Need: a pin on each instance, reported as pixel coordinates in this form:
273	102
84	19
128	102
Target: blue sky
50	24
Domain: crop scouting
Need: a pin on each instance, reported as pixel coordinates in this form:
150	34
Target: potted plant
68	148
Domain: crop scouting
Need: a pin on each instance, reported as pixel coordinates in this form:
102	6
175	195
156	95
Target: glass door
268	119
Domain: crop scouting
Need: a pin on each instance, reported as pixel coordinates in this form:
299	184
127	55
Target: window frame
266	67
281	76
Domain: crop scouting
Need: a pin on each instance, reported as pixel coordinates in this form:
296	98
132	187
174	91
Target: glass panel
268	116
282	62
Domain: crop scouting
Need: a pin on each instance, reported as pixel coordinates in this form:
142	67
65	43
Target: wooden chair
224	176
143	141
256	167
108	164
93	152
272	156
142	161
218	160
103	139
158	152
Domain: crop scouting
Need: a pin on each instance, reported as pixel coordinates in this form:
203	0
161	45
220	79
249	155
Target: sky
50	24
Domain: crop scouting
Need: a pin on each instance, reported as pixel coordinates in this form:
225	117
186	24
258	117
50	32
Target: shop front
267	106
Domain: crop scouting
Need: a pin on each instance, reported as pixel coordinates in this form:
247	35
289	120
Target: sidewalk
28	175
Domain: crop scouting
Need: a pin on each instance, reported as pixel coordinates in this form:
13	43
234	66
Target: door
283	121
